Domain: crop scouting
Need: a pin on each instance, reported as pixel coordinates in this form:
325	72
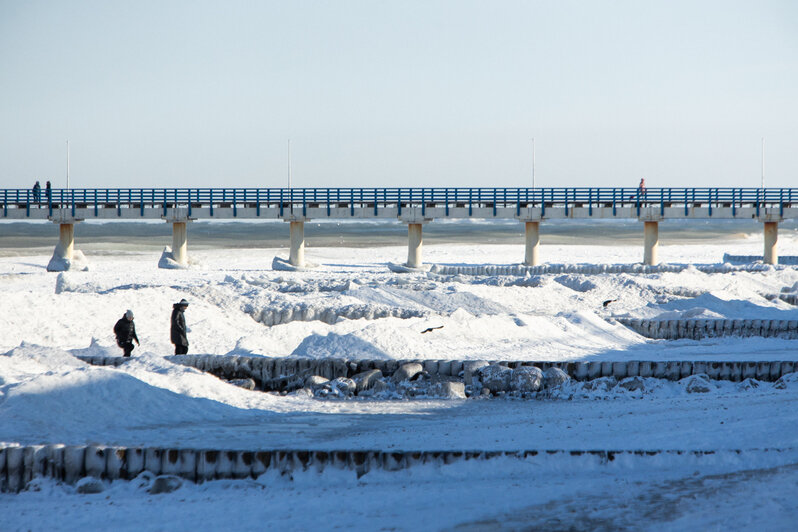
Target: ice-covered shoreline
48	396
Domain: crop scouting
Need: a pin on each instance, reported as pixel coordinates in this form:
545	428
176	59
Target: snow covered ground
48	396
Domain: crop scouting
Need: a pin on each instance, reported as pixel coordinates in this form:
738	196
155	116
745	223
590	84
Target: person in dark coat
48	189
179	337
125	331
37	191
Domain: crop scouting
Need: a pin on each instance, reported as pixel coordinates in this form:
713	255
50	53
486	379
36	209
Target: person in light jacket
179	337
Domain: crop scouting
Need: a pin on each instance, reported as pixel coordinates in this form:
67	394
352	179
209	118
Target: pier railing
376	198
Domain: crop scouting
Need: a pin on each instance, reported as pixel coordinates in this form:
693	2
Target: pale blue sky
375	93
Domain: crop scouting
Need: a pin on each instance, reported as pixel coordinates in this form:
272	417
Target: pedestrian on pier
641	188
37	191
179	330
125	331
48	189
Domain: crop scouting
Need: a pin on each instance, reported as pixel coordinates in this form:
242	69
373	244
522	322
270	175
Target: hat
183	303
129	314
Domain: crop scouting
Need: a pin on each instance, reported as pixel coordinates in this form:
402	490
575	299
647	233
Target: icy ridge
591	269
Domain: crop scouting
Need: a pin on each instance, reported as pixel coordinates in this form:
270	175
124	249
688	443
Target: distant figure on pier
125	331
48	190
641	188
179	337
37	191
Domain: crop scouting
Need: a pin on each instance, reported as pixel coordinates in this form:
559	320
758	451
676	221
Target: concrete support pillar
650	242
67	239
297	254
771	240
414	245
179	243
532	243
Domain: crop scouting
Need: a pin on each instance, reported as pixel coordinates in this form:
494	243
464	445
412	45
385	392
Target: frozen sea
48	396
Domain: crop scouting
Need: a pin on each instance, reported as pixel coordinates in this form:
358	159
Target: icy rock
554	377
495	377
786	381
380	386
449	390
366	380
470	368
343	386
315	381
407	372
526	379
165	484
748	384
247	384
303	392
633	384
90	485
144	479
697	384
422	376
602	384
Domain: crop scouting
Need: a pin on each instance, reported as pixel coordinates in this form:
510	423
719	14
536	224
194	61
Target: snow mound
168	262
95	349
281	265
716	305
60	263
338	346
404	268
64	284
576	283
29	358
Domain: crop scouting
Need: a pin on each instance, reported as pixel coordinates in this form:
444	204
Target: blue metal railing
400	198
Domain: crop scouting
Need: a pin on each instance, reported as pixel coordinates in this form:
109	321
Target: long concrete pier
411	206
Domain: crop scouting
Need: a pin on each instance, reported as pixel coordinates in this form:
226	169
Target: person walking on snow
179	337
125	331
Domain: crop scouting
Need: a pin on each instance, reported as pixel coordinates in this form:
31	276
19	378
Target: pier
414	207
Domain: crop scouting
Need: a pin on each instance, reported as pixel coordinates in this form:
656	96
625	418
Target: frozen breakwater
696	329
791	260
167	467
282	374
591	269
270	316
